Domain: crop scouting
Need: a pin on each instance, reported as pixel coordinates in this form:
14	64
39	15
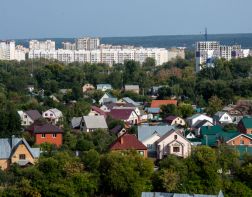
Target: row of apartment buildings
87	50
208	51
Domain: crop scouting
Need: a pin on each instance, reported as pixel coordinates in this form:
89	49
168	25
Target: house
29	117
46	133
232	110
196	128
240	139
96	111
126	115
132	88
175	120
53	115
245	125
196	118
104	87
93	123
30	88
153	113
148	135
129	142
18	151
222	118
87	87
65	91
173	143
54	98
159	103
160	194
129	101
107	98
76	123
118	130
154	90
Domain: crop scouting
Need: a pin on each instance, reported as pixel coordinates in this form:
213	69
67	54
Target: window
43	135
233	142
242	142
175	137
54	135
175	149
149	146
22	157
46	114
25	116
51	114
225	117
141	153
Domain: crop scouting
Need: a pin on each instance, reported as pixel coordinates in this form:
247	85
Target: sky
113	18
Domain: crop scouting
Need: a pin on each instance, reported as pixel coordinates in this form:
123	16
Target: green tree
214	105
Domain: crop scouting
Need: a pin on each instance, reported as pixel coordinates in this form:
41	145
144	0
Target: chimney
121	140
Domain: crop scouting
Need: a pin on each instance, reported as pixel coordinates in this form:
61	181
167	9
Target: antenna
206	34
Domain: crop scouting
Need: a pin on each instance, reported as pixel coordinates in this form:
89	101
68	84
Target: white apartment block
107	56
87	43
42	45
68	46
8	51
207	51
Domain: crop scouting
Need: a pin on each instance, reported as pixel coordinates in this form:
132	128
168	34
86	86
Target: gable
238	136
21	149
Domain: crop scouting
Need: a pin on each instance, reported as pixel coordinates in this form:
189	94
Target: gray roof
8	146
33	114
95	122
159	194
75	122
129	100
145	131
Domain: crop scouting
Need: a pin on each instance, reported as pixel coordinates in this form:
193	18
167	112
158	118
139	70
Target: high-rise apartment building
8	51
68	46
87	43
42	45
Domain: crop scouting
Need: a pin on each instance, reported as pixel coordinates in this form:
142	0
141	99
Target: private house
129	142
93	123
160	194
87	87
126	115
53	115
16	150
175	120
222	118
245	125
104	87
30	88
195	119
196	128
173	143
159	103
129	101
231	110
149	135
132	88
107	98
240	139
118	130
96	111
153	113
76	123
46	133
29	117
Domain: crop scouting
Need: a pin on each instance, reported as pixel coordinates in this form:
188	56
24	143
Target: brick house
47	133
245	125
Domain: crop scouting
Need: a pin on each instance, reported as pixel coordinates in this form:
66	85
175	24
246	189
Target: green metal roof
247	122
211	130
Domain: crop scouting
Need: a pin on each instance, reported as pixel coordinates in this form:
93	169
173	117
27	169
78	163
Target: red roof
127	142
158	103
121	114
99	111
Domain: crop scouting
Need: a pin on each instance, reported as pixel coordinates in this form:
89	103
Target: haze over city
64	18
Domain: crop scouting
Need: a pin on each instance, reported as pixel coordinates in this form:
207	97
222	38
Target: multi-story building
69	46
42	45
8	51
208	51
87	43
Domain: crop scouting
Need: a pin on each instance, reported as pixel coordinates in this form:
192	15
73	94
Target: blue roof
160	194
129	100
145	131
153	110
8	146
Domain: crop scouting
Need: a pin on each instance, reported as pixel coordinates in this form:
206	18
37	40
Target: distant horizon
125	36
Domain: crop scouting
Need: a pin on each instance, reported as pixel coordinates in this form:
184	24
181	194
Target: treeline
61	173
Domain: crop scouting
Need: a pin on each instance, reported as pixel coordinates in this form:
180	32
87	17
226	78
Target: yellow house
16	150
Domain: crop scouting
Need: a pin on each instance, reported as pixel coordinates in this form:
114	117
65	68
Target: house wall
202	117
226	119
150	143
133	119
242	129
165	147
4	164
21	149
49	139
26	120
237	141
178	121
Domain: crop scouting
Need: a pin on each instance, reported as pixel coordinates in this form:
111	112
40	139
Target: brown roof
127	142
121	114
158	103
169	119
98	110
45	128
33	114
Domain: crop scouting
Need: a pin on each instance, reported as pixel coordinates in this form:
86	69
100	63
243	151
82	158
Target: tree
185	110
168	110
214	105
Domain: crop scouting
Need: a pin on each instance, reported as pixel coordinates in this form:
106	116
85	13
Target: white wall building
8	51
87	43
42	45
